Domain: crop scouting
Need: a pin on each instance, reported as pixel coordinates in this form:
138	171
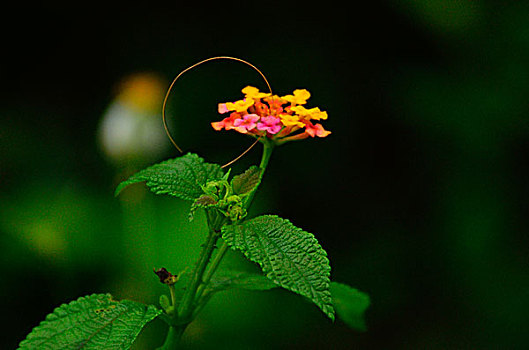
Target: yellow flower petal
302	94
239	106
253	93
300	110
250	90
312	113
300	97
290	120
320	115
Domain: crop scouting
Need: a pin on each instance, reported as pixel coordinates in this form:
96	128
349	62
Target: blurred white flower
131	128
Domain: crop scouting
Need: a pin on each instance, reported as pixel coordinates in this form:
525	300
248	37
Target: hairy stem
268	147
173	337
212	268
173	295
267	153
194	298
185	309
265	158
183	315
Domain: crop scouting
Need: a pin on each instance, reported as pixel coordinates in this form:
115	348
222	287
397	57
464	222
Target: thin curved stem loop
164	118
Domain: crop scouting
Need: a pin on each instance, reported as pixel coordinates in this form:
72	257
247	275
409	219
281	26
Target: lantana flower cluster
281	119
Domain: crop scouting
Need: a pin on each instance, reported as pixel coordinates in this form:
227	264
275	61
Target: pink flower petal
270	124
274	129
222	108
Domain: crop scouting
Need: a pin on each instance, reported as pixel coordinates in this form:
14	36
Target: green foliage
289	256
227	197
182	177
228	279
246	182
350	305
92	322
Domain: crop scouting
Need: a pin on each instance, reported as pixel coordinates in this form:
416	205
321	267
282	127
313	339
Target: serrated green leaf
350	305
182	177
228	279
92	322
289	256
247	181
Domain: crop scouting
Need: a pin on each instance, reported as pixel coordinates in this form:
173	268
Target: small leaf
204	201
350	305
228	279
181	177
289	256
247	181
165	303
92	322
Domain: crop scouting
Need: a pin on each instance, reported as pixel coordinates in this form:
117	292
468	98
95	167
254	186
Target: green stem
173	295
213	267
183	316
173	337
265	158
268	147
201	276
186	307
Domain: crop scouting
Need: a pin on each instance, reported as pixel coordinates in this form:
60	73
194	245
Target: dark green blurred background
418	196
